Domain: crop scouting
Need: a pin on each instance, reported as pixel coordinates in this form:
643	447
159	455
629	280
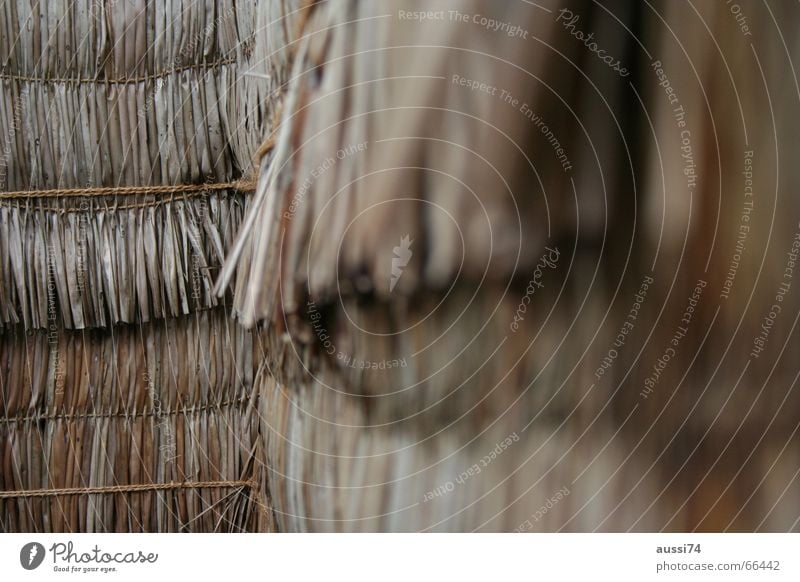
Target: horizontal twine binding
120	80
240	185
117	207
132	488
264	149
185	411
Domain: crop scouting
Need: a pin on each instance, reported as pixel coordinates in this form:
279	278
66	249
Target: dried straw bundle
95	263
712	447
164	412
322	236
348	148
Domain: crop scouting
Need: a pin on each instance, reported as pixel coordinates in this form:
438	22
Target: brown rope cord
240	185
183	411
131	488
121	80
265	148
112	207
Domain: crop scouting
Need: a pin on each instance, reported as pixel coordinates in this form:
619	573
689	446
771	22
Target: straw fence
129	132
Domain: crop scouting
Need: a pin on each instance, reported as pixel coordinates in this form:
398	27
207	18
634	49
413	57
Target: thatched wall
442	270
129	131
102	430
378	144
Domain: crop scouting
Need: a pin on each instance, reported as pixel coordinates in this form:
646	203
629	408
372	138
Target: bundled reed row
359	444
95	263
134	407
453	440
355	476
